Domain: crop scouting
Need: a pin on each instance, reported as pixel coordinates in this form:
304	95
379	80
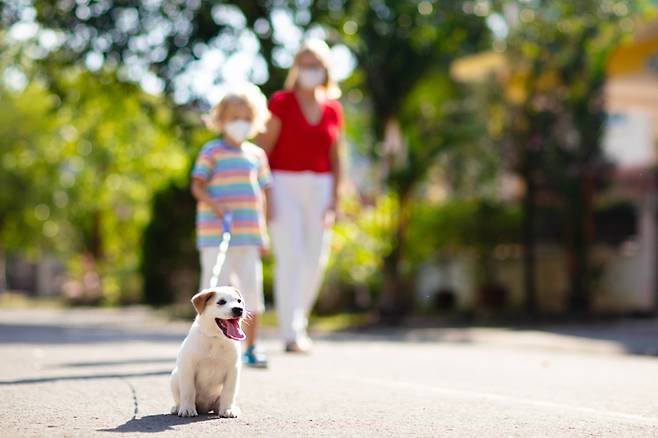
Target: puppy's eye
239	301
221	302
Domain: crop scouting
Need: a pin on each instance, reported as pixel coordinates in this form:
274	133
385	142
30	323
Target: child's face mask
310	77
238	129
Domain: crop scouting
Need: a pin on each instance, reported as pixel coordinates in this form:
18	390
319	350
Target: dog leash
227	221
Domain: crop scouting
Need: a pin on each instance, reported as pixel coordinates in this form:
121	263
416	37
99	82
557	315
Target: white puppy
207	372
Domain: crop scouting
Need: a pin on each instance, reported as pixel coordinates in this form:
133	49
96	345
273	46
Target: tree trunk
529	239
3	269
3	265
579	244
92	284
397	297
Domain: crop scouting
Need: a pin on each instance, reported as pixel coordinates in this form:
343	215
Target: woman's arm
267	139
267	200
200	192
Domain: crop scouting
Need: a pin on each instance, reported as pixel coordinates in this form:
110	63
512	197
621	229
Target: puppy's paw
174	410
187	411
230	412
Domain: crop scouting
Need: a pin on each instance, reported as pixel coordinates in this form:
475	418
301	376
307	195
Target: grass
339	321
326	323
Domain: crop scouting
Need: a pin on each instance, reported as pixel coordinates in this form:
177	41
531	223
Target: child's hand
217	210
330	216
269	212
265	247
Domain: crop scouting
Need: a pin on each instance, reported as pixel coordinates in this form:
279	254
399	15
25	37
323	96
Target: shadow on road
83	377
83	334
169	360
157	423
637	337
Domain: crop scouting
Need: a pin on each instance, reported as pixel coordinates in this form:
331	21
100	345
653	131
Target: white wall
629	140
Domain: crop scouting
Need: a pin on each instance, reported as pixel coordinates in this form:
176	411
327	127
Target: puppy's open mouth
231	328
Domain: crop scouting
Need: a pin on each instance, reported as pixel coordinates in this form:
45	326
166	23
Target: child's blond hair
249	95
320	50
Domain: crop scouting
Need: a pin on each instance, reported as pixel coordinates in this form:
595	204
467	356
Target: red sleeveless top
302	146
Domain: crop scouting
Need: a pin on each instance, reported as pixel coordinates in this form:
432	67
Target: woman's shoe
301	345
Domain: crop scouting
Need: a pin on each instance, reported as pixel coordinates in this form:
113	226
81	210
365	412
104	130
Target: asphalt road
88	373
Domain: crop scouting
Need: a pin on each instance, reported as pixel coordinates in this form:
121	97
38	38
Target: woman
302	140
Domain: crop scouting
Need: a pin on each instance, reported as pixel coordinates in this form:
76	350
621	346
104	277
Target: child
232	174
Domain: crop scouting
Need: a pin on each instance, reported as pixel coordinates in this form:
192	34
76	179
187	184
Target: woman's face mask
311	77
238	129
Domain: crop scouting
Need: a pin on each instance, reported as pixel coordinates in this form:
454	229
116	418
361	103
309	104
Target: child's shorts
243	269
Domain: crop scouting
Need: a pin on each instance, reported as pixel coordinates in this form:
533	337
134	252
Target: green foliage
475	226
446	133
81	166
26	163
436	230
169	264
458	225
360	242
118	146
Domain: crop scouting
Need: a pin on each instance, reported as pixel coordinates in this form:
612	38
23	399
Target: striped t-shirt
235	177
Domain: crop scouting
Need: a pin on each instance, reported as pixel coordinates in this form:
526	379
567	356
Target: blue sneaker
253	358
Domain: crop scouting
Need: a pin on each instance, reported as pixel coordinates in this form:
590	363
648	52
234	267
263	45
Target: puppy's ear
200	300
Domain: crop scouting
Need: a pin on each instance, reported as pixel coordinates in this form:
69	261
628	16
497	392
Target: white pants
301	245
243	269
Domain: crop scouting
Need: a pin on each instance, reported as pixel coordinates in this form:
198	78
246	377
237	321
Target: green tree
26	165
120	146
168	263
79	167
25	126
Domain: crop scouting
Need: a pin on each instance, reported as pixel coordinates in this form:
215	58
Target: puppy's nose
237	311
